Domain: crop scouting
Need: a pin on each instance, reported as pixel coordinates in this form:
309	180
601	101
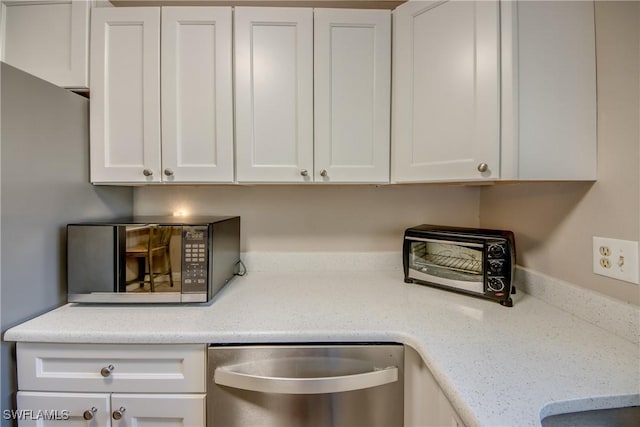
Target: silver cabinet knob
117	414
483	167
323	173
147	172
106	371
168	172
88	414
304	172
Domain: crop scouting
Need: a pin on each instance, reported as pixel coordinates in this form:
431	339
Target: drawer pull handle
117	415
106	371
88	414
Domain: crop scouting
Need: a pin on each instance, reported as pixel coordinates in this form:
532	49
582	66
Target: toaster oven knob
496	250
495	284
495	266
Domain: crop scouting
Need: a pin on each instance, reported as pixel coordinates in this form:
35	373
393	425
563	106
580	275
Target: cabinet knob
147	172
106	371
323	173
88	414
483	167
304	172
168	172
117	414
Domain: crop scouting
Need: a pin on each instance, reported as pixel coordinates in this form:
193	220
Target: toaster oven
473	261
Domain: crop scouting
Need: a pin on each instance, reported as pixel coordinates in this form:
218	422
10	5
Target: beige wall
319	218
554	223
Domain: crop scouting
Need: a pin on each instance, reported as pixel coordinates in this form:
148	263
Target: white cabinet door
425	404
197	99
152	410
44	409
125	95
446	111
352	78
274	94
48	38
549	105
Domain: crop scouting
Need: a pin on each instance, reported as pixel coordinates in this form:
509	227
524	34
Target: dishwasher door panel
306	385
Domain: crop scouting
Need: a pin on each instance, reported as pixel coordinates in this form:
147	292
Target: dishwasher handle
319	385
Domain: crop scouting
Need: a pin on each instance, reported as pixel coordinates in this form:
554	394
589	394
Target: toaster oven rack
465	265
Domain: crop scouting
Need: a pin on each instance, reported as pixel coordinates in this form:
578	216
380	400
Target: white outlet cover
629	271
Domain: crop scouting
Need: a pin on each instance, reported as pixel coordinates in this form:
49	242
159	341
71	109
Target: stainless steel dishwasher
306	386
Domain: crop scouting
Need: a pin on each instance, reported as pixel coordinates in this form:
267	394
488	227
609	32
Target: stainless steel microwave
479	262
152	259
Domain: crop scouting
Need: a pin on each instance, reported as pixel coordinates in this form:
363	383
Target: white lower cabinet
425	403
111	385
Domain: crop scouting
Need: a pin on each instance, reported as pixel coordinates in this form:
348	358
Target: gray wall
44	185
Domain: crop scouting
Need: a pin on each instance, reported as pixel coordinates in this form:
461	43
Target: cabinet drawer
111	368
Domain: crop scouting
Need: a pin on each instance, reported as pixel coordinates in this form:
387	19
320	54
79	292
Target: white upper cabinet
274	94
549	122
446	99
197	96
192	139
352	78
125	95
48	38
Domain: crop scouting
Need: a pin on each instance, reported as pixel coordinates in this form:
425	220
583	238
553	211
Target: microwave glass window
446	263
153	258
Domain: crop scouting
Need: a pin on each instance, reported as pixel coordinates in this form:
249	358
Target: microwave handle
283	385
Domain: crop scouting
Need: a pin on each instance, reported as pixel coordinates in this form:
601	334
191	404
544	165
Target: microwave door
152	259
456	265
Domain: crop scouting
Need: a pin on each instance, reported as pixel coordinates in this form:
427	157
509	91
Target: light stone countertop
498	366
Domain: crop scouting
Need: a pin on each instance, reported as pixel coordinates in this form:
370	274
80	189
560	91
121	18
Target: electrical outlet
616	258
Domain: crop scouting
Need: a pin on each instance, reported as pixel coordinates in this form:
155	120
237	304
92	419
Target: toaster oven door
457	265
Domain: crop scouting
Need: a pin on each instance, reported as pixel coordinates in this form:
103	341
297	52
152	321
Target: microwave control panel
195	258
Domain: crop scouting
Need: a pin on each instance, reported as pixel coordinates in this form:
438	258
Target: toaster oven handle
318	385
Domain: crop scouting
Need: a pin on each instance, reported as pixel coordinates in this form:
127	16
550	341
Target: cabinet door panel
352	69
125	95
48	39
197	104
549	126
63	409
274	94
446	99
153	410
